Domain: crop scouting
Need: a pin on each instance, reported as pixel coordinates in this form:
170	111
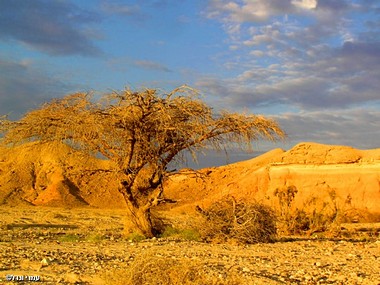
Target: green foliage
94	238
135	237
69	238
185	234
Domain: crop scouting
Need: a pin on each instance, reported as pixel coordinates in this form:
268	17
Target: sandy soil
86	246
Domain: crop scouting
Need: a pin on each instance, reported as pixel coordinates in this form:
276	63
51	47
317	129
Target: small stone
45	262
308	277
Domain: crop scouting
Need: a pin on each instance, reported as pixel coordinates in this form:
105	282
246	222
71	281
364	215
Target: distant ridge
321	173
55	175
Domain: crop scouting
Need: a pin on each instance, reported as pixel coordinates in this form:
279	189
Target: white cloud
257	53
321	62
305	4
333	78
247	10
258	40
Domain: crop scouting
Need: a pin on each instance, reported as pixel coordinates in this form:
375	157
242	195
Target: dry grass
150	268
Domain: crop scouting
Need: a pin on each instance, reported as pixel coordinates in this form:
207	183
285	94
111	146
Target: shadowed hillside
54	174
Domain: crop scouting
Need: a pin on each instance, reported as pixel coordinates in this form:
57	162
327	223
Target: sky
313	65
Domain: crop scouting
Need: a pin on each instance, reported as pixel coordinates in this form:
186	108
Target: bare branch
142	132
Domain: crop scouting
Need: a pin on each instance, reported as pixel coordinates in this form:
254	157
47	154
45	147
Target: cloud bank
316	63
24	87
50	26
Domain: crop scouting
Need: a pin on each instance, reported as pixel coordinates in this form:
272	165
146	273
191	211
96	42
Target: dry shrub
149	268
311	218
354	215
302	222
240	221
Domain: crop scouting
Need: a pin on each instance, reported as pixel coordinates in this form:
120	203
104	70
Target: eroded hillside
56	175
340	176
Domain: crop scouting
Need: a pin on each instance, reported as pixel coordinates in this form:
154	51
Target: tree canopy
141	131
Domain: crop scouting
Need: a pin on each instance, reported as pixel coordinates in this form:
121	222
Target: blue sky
314	65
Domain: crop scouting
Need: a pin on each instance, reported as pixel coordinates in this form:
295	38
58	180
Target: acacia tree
142	132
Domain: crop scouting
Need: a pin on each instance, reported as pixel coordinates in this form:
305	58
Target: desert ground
87	246
62	220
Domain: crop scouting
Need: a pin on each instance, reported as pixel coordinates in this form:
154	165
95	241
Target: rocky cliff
324	176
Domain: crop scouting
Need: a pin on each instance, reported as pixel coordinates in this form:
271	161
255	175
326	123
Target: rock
336	175
45	262
72	278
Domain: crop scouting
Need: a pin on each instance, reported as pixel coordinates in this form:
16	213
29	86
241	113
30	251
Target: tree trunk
139	210
141	219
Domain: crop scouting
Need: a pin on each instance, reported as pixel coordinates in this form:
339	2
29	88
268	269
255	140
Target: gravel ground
75	253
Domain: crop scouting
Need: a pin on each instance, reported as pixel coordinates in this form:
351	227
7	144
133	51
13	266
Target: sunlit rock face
325	177
53	174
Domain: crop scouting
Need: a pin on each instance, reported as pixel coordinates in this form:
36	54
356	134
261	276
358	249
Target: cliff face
324	176
343	175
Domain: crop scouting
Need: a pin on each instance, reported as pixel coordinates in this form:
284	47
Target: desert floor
86	246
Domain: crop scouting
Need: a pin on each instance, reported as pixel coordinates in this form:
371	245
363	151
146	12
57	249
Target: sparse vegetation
185	234
75	237
94	238
238	220
141	132
150	268
311	218
135	237
69	238
172	261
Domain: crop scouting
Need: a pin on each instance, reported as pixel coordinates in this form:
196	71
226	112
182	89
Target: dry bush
310	219
302	222
149	268
240	221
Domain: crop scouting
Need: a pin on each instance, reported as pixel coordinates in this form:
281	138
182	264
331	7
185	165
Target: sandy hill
325	176
53	174
56	175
